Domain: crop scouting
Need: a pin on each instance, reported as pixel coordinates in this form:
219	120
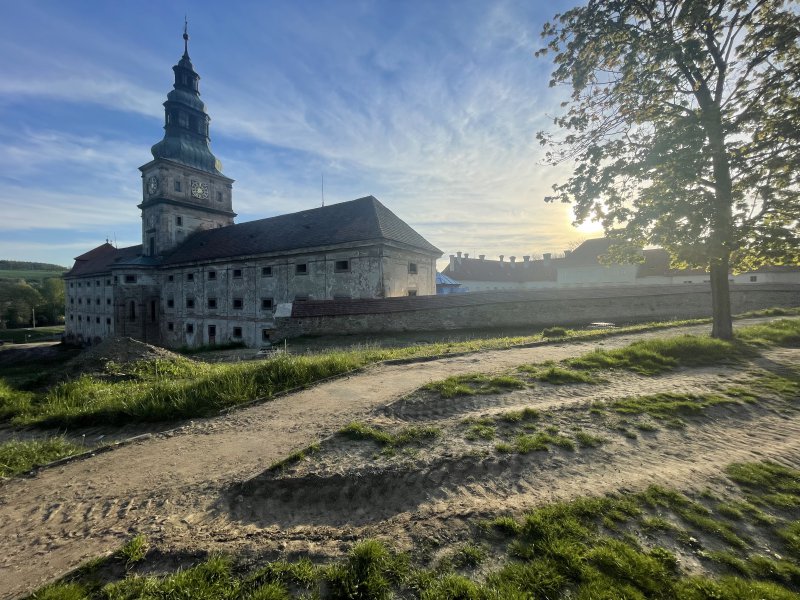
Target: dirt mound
119	350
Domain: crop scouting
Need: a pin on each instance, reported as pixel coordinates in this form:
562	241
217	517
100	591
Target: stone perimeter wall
543	308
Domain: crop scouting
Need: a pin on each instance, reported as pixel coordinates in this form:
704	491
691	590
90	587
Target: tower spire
185	36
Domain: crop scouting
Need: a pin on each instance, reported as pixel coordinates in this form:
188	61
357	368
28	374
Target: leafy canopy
683	123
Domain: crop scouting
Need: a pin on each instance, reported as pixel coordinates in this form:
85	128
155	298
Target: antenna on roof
185	35
322	187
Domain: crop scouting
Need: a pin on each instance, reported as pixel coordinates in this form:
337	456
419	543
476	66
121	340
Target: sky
430	106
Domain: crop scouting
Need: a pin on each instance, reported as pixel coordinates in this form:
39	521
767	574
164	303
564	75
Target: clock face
200	190
152	185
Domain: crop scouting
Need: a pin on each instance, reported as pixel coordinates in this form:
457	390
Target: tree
52	291
17	301
683	123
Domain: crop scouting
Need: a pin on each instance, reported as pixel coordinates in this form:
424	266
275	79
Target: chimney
546	257
567	253
458	254
526	258
481	256
502	256
513	259
466	254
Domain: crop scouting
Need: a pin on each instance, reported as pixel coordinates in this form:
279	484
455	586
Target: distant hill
29	271
21	265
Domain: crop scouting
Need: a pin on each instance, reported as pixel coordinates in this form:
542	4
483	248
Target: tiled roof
101	259
359	220
475	269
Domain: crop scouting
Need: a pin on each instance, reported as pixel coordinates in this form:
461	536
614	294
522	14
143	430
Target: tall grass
19	456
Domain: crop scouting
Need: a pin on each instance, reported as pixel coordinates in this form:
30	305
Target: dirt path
175	487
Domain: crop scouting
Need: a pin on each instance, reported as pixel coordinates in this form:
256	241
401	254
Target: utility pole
33	311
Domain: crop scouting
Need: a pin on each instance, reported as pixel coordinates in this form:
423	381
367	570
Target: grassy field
21	336
628	545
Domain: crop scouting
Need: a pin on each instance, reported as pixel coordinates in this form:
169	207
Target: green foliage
134	550
783	332
295	457
481	431
367	573
525	443
407	435
554	332
557	375
651	357
669	405
520	416
588	440
19	456
474	383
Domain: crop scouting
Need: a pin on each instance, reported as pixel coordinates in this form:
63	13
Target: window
97	319
219	196
190	303
116	279
132	311
212	303
238	303
212	275
237	273
753	278
177	185
97	301
80	300
80	318
179	221
412	292
71	318
170	302
266	304
212	331
70	284
190	328
190	277
412	268
108	282
130	278
152	310
170	277
301	268
79	284
108	320
265	335
301	298
266	271
342	266
97	283
88	284
108	301
237	332
152	246
170	326
72	300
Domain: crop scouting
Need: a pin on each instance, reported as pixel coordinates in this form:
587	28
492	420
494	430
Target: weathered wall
530	308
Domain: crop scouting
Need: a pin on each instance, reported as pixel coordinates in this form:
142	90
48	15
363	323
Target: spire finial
185	35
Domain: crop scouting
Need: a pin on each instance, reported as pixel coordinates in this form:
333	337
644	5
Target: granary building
198	278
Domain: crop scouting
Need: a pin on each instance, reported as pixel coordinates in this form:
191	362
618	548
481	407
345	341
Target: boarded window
301	268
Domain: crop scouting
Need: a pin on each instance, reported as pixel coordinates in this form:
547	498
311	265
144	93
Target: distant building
445	285
583	267
198	278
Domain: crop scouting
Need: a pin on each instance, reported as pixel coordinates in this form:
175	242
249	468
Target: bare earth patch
208	485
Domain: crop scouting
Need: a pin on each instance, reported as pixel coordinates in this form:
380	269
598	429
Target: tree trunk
721	300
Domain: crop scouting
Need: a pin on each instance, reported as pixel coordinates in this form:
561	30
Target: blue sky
432	107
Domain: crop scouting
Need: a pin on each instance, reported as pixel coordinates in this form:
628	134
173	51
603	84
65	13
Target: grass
669	405
295	457
782	332
537	442
21	336
585	549
134	550
557	375
473	383
652	357
588	440
403	437
211	348
20	456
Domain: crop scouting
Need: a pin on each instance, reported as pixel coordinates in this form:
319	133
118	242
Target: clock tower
183	187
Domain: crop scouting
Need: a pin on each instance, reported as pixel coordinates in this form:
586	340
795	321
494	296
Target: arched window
132	311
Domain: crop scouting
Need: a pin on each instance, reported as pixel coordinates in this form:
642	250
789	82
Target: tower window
152	246
183	120
177	185
219	194
179	221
